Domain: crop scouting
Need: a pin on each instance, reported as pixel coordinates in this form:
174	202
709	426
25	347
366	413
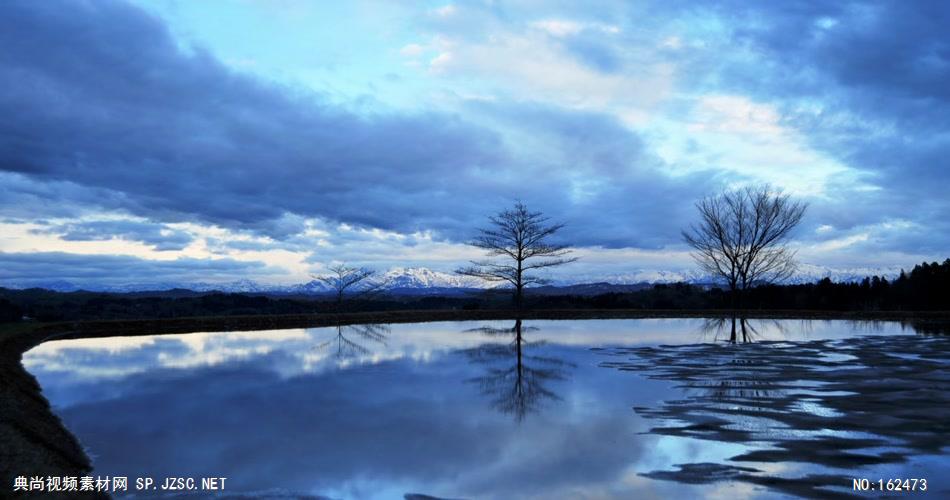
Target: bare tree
519	237
353	281
742	235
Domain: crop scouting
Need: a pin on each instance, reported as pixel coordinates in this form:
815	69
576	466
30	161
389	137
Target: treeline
46	305
925	288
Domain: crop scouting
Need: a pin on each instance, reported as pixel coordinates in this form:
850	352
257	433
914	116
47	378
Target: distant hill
926	287
420	281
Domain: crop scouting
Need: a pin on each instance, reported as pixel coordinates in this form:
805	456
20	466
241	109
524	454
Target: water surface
541	409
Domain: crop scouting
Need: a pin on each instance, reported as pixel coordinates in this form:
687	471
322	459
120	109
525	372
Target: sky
222	140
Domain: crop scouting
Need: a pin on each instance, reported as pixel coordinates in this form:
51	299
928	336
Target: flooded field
650	408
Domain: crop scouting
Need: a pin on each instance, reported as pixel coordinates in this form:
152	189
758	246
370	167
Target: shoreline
41	332
35	441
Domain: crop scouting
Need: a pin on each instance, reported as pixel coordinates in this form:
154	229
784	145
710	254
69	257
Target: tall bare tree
353	281
519	237
742	236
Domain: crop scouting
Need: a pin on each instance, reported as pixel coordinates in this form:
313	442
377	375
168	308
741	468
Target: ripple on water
830	405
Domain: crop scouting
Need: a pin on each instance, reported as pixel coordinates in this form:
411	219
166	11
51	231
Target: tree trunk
519	287
740	296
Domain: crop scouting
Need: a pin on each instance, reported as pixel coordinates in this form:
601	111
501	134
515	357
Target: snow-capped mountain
308	288
401	278
420	279
239	286
635	277
809	273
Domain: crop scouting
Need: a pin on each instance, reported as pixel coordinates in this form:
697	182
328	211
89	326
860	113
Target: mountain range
424	281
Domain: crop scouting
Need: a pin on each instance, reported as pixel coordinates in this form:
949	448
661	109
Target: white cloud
736	134
34	237
558	28
445	11
840	243
735	115
563	28
672	42
412	50
439	63
533	67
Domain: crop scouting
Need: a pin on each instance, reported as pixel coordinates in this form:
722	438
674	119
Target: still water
653	408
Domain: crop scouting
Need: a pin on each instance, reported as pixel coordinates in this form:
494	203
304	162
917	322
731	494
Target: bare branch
741	236
519	237
351	281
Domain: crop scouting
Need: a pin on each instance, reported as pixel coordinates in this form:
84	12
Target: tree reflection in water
351	340
734	329
517	383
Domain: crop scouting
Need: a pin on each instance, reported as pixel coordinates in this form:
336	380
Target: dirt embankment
33	441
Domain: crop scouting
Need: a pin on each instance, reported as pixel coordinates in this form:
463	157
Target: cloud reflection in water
275	412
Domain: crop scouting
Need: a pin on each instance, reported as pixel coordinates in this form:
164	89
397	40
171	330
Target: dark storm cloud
100	97
866	82
587	169
884	60
158	236
39	267
99	94
24	199
886	63
900	49
105	111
